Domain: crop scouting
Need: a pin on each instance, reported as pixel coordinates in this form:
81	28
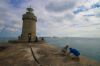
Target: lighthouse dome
29	15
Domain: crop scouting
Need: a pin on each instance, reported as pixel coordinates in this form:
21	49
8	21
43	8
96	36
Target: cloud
76	18
10	19
84	8
61	6
80	9
97	5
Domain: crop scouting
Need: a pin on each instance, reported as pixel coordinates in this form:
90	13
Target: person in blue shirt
74	54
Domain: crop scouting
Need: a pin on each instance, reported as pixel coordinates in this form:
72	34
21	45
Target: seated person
65	50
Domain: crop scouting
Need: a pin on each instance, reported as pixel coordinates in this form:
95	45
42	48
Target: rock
20	55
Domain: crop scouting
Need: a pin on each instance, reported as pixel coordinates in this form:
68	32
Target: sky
60	18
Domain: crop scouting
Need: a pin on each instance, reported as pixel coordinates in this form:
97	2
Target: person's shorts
76	58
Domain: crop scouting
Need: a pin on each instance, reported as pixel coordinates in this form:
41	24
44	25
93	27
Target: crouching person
74	54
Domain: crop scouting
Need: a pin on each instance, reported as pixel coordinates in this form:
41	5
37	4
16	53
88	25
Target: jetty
19	54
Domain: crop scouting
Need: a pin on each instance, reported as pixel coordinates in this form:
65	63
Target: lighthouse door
29	37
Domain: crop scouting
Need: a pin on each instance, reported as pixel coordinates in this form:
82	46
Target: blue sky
16	3
62	18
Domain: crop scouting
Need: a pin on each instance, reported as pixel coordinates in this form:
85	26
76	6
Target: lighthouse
29	25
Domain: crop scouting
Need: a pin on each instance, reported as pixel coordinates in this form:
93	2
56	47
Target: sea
88	47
